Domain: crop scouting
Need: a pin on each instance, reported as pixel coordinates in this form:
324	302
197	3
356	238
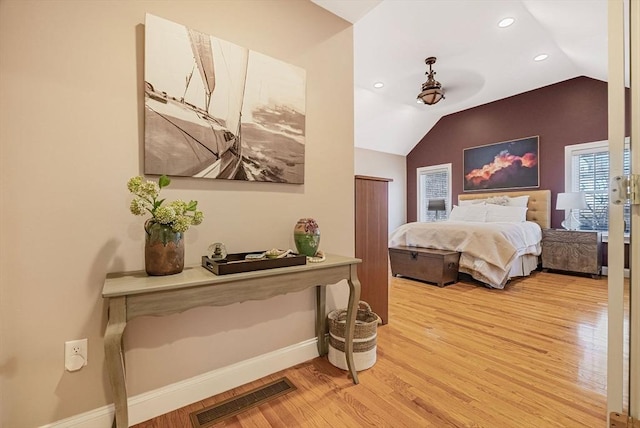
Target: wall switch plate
75	354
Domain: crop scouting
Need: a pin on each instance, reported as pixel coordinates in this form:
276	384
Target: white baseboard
171	397
605	271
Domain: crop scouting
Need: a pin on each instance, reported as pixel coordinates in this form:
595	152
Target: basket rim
340	316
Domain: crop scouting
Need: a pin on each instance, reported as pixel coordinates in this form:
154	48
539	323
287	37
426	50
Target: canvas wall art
506	165
214	109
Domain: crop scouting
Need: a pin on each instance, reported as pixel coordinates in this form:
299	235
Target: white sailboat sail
231	67
234	72
203	56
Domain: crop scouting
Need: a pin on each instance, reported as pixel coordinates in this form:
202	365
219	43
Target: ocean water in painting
273	147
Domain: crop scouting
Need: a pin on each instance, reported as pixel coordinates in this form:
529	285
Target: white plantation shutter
590	174
434	182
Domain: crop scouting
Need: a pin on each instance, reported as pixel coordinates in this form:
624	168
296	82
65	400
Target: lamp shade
436	205
431	96
571	201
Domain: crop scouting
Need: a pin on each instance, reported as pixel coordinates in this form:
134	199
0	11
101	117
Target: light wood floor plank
532	355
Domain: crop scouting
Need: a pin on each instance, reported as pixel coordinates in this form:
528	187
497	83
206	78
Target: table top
138	282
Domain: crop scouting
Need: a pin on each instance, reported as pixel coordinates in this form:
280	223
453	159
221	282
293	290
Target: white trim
605	237
615	280
575	150
605	272
154	403
634	262
582	149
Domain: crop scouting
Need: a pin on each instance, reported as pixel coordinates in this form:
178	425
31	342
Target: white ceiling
477	62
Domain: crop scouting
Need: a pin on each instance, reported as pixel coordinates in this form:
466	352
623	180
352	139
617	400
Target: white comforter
487	249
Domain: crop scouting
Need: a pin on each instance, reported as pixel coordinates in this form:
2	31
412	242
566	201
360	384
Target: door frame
617	24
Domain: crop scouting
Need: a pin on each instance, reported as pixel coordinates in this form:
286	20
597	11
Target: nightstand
572	251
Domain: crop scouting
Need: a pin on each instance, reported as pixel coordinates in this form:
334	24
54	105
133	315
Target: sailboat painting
214	109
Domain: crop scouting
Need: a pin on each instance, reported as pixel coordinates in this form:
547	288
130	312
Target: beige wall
386	165
71	130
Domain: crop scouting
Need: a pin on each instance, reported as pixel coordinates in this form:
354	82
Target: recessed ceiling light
378	85
505	22
541	57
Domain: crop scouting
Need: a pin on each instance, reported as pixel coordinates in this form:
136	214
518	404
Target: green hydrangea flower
165	215
134	184
177	214
180	207
139	206
181	223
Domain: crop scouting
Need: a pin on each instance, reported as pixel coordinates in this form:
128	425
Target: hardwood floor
532	355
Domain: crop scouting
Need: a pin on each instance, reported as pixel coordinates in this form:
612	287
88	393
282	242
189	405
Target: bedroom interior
498	235
71	113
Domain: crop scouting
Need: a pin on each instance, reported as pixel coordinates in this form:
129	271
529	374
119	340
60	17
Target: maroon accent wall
569	112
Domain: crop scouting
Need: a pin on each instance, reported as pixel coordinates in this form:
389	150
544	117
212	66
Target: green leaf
156	204
192	206
164	181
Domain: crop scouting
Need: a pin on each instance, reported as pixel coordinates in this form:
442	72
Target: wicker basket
364	337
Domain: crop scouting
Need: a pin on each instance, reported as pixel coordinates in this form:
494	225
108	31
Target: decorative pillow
498	200
469	213
499	214
467	202
518	201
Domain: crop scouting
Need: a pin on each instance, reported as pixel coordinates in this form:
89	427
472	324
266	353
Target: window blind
591	175
434	184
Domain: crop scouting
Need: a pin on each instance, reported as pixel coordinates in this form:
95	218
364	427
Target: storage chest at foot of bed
425	264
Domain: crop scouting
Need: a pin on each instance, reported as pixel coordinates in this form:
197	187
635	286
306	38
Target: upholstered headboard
539	203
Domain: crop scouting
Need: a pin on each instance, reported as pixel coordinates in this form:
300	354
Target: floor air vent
233	406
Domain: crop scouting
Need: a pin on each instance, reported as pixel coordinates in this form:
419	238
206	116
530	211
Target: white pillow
469	213
499	214
457	213
518	201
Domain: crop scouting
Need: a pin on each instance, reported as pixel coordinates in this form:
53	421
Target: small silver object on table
217	251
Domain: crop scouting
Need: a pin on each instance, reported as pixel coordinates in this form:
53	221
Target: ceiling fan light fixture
432	91
431	96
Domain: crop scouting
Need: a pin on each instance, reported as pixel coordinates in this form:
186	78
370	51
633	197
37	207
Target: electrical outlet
75	354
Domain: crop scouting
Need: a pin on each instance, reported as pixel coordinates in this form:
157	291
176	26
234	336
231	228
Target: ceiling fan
432	91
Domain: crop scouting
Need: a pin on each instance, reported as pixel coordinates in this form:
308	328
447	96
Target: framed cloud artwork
217	110
506	165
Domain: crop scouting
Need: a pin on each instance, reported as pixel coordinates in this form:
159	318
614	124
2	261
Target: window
587	170
434	182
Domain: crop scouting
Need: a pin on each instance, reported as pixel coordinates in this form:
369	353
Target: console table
134	294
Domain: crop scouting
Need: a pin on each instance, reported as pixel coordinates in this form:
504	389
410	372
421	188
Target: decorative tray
236	263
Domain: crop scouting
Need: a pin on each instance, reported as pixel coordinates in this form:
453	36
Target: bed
498	235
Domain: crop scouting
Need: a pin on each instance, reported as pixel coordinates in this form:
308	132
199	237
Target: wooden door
372	233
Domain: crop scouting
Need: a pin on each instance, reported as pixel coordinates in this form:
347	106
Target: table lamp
571	201
436	205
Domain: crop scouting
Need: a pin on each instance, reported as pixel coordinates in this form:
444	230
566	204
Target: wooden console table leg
114	358
352	311
321	319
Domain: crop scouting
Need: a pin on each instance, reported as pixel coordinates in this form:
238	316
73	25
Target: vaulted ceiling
477	61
